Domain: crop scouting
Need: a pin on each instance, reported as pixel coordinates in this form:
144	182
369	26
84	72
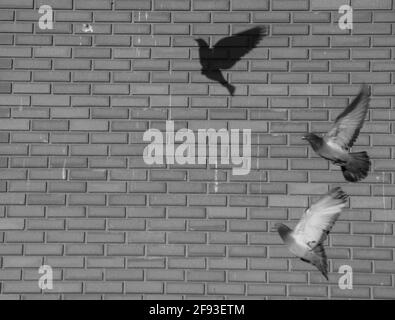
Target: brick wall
76	194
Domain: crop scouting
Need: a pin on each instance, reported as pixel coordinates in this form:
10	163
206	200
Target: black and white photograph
206	153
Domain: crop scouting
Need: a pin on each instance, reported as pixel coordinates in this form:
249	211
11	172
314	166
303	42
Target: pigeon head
283	230
314	140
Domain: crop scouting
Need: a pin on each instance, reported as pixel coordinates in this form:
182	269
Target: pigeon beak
304	138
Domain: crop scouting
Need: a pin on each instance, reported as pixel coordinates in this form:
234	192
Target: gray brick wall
76	194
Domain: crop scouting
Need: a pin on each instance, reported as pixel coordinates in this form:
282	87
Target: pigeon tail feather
357	167
319	260
231	88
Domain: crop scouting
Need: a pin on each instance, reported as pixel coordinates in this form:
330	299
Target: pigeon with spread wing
226	53
335	145
306	241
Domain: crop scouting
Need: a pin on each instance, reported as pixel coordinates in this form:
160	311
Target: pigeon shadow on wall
226	53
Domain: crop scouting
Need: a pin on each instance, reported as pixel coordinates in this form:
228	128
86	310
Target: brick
16	28
81	274
31	88
51	52
7	15
119	274
324	5
361	28
12	224
291	5
185	288
135	5
93	4
289	54
144	287
350	41
288	29
106	16
21	287
171	29
187	212
383	293
311	17
132	29
250	5
377	254
6	39
24	236
5	63
17	4
225	289
15	52
363	4
171	5
266	290
305	291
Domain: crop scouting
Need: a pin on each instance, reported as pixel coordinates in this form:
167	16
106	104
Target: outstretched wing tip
266	29
338	193
255	33
263	30
318	220
234	47
349	123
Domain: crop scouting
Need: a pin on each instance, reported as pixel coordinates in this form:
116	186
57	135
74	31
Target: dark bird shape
306	241
335	145
226	53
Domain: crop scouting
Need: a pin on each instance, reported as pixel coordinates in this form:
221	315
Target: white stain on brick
87	28
64	172
257	152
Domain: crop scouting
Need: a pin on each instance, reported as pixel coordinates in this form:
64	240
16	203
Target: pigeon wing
204	54
348	124
238	46
319	219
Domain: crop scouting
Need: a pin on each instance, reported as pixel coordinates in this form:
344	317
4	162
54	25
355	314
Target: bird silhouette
306	241
226	53
335	145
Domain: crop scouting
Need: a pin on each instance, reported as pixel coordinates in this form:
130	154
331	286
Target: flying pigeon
306	241
335	145
226	53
